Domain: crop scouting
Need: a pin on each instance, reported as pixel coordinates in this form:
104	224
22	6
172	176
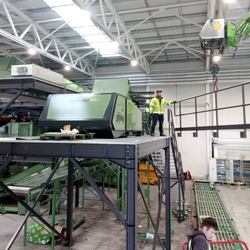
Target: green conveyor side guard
120	86
209	203
74	86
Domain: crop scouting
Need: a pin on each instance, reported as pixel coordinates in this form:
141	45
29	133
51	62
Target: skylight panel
80	21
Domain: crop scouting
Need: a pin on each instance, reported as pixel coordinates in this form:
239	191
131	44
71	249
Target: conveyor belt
38	179
209	203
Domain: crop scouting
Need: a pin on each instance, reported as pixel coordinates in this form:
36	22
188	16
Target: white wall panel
193	149
196	150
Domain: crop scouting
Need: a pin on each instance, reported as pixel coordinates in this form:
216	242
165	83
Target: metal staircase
159	161
177	191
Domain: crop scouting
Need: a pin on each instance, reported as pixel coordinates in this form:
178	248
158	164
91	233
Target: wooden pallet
61	136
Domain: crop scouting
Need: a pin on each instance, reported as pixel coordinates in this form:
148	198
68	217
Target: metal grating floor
209	203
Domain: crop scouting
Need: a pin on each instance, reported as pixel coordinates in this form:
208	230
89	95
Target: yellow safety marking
217	26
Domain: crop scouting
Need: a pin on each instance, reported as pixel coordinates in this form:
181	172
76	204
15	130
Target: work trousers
160	118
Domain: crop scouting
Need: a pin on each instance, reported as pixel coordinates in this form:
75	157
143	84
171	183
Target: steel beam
37	100
159	7
6	163
131	223
157	41
189	21
11	101
188	50
127	42
98	190
167	198
83	66
70	195
156	235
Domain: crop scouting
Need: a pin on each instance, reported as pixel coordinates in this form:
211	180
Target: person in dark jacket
197	238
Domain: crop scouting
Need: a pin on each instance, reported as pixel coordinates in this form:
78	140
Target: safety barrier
226	242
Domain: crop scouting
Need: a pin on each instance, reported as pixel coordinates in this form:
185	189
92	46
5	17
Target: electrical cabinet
229	171
245	164
221	169
237	170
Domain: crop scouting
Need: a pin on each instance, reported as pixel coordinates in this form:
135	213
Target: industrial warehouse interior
124	124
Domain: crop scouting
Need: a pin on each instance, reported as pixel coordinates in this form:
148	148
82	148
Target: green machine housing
107	114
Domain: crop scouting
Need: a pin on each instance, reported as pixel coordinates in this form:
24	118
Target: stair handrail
178	164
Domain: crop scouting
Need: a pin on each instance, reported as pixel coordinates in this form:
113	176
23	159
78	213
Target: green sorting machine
108	112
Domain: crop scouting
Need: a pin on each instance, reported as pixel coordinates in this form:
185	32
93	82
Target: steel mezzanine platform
125	152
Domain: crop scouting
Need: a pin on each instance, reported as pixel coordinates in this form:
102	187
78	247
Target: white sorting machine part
37	72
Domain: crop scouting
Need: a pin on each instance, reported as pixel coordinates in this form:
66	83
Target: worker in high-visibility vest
198	237
157	108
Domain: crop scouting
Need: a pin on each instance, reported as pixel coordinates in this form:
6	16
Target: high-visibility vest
157	105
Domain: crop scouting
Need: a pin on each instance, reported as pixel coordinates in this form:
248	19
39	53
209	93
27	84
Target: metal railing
178	112
225	242
180	180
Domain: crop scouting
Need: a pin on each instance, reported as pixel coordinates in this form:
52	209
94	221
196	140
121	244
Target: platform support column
70	204
167	197
131	225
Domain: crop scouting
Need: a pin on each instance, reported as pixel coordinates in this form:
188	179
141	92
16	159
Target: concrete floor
237	205
102	231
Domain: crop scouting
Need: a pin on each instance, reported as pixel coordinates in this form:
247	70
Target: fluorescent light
79	21
67	68
216	58
134	63
229	1
32	51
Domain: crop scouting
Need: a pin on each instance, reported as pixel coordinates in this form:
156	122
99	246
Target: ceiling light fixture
134	63
229	1
216	58
32	51
79	20
67	67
